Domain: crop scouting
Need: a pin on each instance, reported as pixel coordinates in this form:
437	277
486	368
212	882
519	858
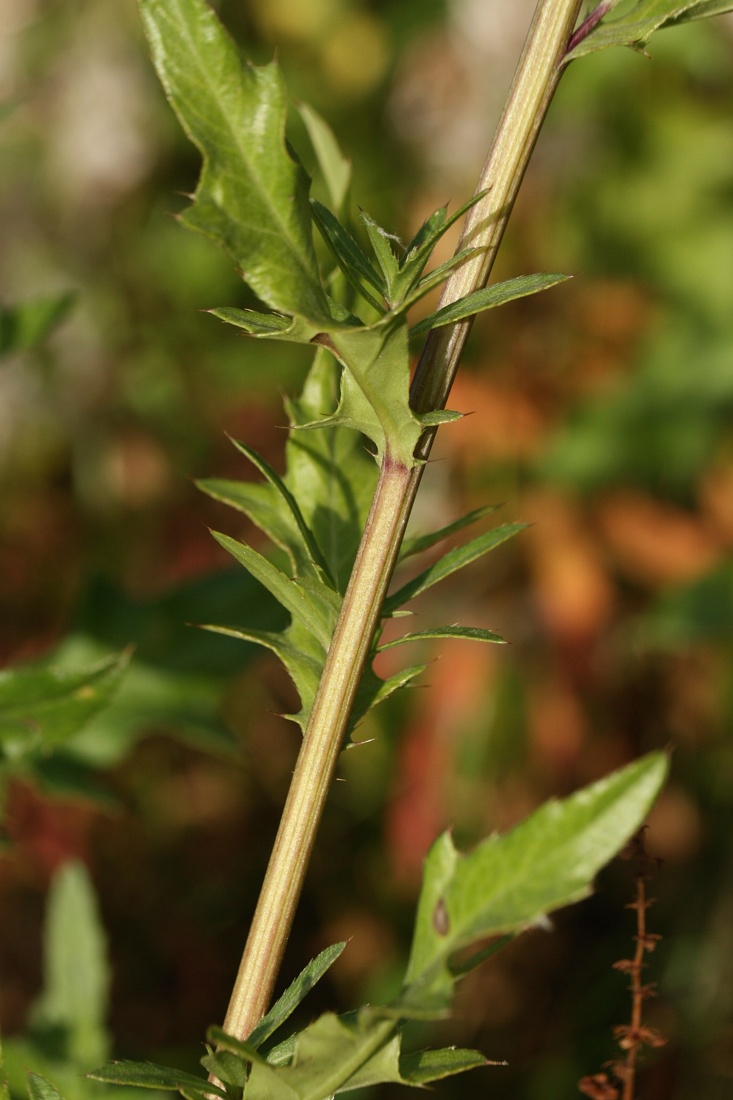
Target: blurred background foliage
600	412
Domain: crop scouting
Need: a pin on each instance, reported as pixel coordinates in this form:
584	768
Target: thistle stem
537	76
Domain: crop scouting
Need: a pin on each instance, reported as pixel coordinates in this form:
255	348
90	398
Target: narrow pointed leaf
704	9
149	1075
288	506
467	633
295	993
382	248
373	691
495	295
252	198
509	882
41	1089
348	254
425	1066
265	325
334	166
300	652
329	471
436	277
418	543
451	562
421	247
312	611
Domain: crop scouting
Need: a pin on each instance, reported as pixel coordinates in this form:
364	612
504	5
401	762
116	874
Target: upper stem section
537	76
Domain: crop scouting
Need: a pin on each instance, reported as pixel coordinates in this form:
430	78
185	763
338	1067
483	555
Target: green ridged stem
535	81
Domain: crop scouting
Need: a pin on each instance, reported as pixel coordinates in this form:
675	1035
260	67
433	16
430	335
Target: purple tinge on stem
588	24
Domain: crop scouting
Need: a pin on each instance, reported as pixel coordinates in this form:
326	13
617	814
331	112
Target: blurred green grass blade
76	972
252	197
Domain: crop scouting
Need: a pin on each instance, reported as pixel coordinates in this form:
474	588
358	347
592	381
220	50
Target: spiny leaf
451	562
305	552
329	471
467	633
294	994
313	608
417	544
508	882
636	26
425	1066
348	254
421	248
495	295
299	651
41	1089
252	198
270	326
375	387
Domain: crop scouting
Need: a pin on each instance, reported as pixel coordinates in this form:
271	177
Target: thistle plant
360	435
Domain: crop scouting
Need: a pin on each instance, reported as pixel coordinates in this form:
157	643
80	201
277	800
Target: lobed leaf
315	608
252	197
509	882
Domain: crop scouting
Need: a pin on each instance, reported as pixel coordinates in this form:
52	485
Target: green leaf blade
451	562
498	294
252	198
41	707
149	1075
509	882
